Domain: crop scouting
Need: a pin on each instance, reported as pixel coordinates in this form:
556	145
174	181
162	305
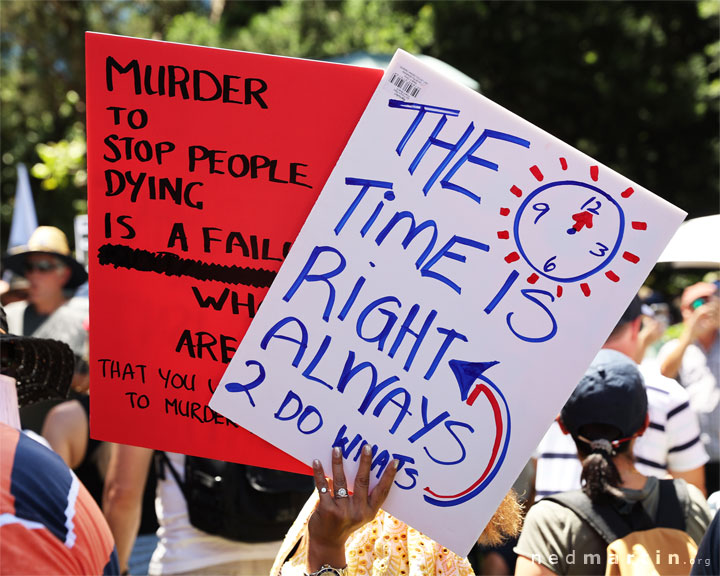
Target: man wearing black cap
50	311
606	416
671	443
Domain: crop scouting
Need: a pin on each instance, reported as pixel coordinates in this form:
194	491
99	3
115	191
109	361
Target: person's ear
562	425
644	426
65	273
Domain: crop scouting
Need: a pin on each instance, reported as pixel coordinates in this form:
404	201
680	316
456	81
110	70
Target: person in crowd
50	311
707	560
694	360
50	523
671	444
500	559
181	548
655	322
605	415
348	534
651	330
52	274
67	431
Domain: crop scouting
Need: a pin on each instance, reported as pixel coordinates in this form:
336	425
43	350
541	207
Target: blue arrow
467	372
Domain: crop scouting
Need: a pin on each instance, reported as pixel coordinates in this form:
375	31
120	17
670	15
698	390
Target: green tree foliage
627	83
312	29
42	88
42	62
634	84
322	29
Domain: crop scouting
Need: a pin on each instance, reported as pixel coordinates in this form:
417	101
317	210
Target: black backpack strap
604	519
607	520
673	504
165	463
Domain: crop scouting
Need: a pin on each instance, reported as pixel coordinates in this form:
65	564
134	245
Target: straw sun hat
53	242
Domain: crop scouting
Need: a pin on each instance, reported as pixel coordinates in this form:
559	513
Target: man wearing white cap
50	310
694	360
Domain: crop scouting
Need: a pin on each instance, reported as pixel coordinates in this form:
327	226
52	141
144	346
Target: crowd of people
630	464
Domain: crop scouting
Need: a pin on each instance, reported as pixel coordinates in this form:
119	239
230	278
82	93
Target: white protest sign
455	278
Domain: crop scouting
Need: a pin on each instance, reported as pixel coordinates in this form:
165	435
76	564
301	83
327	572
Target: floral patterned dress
384	546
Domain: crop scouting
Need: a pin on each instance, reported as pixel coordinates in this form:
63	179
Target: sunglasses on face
40	266
699	302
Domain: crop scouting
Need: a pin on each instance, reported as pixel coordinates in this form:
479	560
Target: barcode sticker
405	84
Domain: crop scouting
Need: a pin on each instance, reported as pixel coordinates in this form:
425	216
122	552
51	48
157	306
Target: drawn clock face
568	230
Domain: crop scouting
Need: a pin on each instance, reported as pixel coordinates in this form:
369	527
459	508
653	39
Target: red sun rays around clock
517	192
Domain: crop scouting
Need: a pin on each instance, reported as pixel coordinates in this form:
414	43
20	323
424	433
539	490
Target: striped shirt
49	523
671	442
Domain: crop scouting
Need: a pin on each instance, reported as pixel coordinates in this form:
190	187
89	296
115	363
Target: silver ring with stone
341	493
323	490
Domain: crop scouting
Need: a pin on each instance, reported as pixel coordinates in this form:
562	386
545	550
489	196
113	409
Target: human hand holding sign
339	513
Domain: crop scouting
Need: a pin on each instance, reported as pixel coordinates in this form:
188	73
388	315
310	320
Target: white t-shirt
183	548
671	442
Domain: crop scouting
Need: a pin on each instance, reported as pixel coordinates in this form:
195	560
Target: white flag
24	219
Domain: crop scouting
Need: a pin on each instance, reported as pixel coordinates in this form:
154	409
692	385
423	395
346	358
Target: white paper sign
455	278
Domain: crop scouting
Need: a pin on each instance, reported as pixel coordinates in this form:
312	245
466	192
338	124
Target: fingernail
366	449
395	463
316	464
336	451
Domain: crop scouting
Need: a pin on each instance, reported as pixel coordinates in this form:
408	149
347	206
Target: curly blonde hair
505	523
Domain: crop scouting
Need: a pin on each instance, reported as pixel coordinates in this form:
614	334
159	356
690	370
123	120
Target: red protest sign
202	167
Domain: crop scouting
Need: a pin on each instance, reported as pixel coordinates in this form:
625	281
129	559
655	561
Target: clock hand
582	219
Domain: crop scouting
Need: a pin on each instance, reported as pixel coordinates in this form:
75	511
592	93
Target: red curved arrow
497	414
